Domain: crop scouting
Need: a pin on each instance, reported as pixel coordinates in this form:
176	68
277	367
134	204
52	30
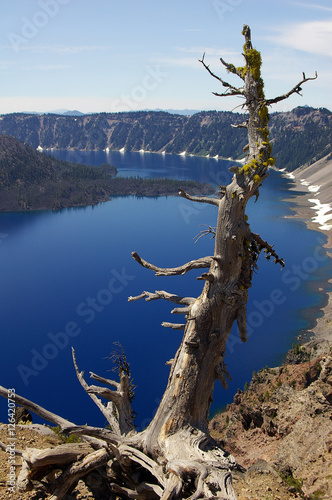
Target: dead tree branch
107	411
231	90
77	470
205	232
118	412
181	310
295	90
36	464
105	435
232	69
199	199
240	125
105	381
268	249
174	326
3	447
161	294
173	271
38	410
46	415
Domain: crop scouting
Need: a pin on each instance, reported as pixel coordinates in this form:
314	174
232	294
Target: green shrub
65	438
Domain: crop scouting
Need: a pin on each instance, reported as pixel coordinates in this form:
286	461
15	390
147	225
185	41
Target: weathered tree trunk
209	318
175	456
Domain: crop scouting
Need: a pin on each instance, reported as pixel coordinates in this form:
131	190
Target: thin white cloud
6	65
190	56
313	6
165	61
48	67
219	52
314	37
60	49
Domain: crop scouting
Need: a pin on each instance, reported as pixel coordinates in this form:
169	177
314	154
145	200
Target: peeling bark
175	457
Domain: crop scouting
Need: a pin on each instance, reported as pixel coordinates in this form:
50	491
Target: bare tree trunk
209	319
175	456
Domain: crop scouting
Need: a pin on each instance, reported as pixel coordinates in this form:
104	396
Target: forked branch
107	411
232	69
295	90
118	411
205	232
231	90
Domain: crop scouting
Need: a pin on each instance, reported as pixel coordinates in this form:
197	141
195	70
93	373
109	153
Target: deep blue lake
66	276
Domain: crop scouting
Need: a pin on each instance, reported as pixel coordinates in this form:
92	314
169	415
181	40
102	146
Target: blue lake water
66	276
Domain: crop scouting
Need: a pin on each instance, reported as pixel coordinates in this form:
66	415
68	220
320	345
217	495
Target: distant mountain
299	137
72	113
64	112
185	112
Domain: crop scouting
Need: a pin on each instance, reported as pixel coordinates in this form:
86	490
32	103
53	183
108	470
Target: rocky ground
280	430
32	436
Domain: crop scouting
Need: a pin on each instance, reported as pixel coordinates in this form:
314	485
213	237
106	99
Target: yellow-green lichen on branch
242	71
254	62
264	115
261	157
269	162
265	133
231	68
249	166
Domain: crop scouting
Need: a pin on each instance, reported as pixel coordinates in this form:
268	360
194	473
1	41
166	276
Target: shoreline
321	333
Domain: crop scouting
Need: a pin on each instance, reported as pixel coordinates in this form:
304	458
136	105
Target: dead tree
174	457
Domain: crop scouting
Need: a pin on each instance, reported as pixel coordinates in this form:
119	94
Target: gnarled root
186	465
57	470
196	467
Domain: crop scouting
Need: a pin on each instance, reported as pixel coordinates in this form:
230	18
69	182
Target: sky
129	55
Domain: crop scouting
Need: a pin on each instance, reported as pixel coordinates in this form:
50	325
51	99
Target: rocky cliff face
284	420
201	134
299	137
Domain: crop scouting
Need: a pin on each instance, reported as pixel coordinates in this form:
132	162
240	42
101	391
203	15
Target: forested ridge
299	137
30	179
